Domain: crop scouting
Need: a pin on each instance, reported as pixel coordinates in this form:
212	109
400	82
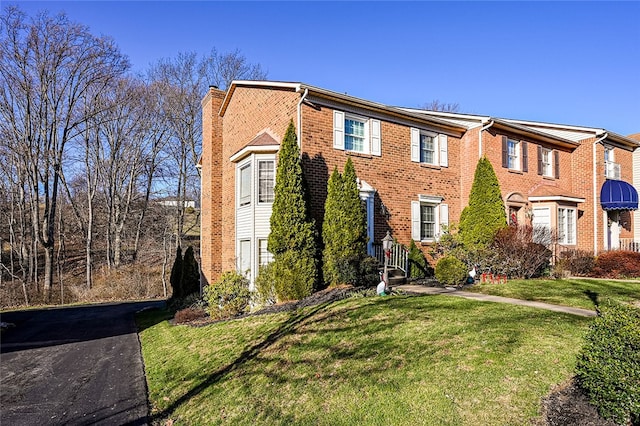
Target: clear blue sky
562	62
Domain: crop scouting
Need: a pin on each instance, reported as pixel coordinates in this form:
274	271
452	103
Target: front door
613	229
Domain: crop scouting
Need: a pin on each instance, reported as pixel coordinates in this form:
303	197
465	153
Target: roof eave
530	133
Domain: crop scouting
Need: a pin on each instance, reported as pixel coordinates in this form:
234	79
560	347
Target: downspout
595	204
480	138
299	110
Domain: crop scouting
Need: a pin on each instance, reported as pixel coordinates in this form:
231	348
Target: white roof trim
253	149
556	198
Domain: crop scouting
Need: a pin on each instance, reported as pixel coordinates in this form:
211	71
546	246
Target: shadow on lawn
593	296
295	319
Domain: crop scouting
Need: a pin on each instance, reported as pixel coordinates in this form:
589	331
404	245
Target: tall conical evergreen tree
292	237
344	230
355	226
332	227
485	214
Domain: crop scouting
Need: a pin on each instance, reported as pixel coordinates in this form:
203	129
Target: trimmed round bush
450	270
227	297
608	367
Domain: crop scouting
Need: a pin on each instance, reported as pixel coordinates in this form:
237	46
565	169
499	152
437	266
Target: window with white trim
356	133
513	154
428	216
264	256
244	185
429	148
546	162
266	180
566	225
427	221
244	257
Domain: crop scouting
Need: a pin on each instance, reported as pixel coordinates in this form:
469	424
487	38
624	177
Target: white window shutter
338	129
444	215
444	154
415	220
415	145
375	137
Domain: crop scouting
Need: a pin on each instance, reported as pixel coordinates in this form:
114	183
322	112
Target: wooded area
96	164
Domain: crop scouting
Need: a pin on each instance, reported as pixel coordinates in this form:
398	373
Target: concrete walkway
451	291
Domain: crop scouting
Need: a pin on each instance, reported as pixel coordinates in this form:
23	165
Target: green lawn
578	293
430	360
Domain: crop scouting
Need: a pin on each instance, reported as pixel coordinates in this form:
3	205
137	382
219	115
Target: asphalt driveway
73	366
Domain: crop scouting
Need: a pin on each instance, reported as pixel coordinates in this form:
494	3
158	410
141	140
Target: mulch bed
567	405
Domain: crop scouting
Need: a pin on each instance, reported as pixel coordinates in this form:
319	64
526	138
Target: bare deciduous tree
48	68
436	105
183	82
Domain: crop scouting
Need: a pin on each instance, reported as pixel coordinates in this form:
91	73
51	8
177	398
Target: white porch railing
399	258
629	244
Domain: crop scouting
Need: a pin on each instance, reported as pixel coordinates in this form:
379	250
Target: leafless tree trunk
49	68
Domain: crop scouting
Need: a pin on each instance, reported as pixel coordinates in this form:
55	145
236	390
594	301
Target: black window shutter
525	156
556	158
539	160
505	152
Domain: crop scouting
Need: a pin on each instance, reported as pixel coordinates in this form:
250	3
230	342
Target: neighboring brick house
415	168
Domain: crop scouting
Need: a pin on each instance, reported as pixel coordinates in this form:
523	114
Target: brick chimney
211	197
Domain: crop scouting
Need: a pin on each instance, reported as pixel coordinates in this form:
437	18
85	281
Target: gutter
595	204
299	110
480	137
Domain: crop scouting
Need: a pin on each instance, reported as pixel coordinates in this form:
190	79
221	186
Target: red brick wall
250	111
211	179
397	180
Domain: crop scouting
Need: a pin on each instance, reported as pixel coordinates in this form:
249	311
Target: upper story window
547	165
611	168
548	162
244	187
515	154
357	134
566	225
266	180
429	148
354	134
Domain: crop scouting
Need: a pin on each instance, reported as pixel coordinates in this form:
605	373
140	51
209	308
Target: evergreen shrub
344	229
294	275
265	286
608	367
418	265
450	270
485	214
292	239
228	297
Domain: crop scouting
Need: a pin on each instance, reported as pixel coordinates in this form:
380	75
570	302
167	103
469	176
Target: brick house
415	169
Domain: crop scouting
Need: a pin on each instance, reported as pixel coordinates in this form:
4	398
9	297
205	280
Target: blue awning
618	195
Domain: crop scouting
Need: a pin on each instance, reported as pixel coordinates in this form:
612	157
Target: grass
402	360
579	293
